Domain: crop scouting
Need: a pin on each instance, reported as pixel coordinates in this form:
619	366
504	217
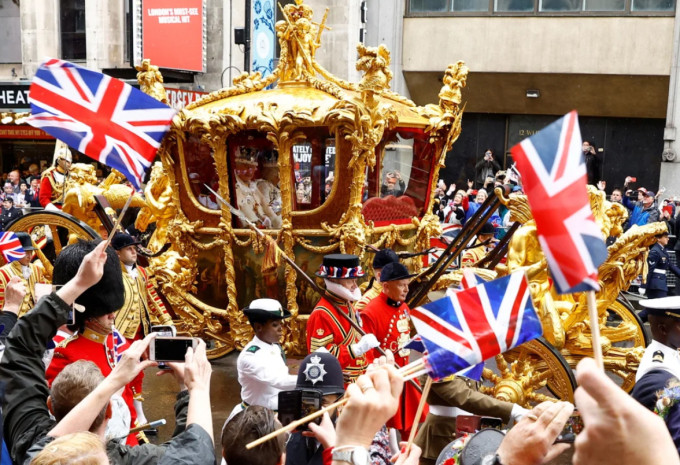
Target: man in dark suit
659	262
8	213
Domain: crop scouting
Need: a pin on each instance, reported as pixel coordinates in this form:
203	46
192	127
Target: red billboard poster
172	33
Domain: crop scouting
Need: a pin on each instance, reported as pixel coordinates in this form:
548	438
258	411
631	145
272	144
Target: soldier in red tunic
95	340
53	180
326	328
387	317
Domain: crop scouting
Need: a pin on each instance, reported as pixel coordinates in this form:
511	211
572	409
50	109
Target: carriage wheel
625	330
62	227
530	374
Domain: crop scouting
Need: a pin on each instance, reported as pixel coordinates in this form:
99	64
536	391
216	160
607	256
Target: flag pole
118	220
595	328
419	412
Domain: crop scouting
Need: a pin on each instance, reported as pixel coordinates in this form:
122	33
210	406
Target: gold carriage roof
303	85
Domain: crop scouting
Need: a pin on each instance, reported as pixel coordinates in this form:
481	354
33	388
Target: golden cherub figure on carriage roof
323	165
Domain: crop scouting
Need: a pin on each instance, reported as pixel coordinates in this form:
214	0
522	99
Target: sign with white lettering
173	34
14	96
179	98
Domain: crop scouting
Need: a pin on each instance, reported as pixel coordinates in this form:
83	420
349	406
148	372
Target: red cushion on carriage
389	208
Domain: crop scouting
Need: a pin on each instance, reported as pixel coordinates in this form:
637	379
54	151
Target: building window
470	5
514	5
623	7
72	16
653	5
430	5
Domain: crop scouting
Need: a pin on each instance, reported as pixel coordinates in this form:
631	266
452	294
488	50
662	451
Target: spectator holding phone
485	169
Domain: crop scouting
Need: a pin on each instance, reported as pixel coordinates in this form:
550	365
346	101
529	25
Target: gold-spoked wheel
529	374
52	230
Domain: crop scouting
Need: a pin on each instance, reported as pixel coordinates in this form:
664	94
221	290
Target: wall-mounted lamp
533	93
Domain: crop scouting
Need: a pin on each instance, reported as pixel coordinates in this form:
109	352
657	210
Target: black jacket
7	216
27	420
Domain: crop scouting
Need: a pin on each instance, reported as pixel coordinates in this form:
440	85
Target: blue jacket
639	214
659	262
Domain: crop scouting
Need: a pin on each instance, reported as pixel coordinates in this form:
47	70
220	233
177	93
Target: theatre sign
14	96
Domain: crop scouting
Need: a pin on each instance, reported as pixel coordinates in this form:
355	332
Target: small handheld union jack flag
554	178
464	329
10	246
102	117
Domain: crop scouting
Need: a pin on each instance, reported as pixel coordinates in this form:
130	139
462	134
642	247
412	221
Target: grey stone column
670	166
39	33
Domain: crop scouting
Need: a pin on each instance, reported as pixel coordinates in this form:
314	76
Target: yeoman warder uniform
30	275
382	258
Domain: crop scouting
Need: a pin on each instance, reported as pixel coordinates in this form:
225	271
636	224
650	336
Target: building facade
532	61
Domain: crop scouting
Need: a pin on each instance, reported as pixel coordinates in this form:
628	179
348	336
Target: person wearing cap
484	243
53	179
382	257
249	199
659	263
261	365
643	211
142	307
326	328
30	274
96	340
319	371
387	317
660	364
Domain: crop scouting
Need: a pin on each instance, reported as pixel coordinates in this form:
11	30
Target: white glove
50	207
518	412
641	290
366	343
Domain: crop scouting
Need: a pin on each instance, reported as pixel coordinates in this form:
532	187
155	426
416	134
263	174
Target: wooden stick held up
419	412
120	217
595	328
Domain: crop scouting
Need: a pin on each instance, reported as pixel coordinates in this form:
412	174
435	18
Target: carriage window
397	190
201	171
313	169
255	181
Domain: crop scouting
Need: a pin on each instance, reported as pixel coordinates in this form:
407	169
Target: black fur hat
108	295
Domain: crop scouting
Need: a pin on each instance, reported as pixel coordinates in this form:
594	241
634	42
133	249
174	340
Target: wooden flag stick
318	413
296	423
120	217
595	328
419	412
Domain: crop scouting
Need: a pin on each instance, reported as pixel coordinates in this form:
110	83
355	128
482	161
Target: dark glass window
470	5
514	5
653	5
429	5
605	5
72	23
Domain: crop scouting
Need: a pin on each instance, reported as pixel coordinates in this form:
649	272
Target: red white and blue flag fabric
464	329
10	247
554	178
100	116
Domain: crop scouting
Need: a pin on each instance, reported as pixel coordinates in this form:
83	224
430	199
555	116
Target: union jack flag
466	328
100	116
10	246
554	178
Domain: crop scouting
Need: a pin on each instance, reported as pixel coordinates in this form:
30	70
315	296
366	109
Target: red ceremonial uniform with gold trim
389	322
326	328
51	188
90	346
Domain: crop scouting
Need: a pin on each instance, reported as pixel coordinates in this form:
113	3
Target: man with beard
326	328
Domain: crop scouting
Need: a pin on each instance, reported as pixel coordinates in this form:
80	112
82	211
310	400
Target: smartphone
490	422
297	404
166	331
573	427
633	179
170	349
